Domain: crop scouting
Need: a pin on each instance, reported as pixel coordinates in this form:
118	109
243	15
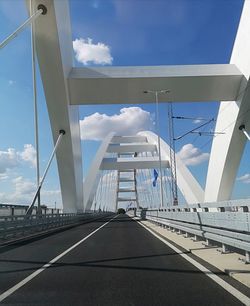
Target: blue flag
155	177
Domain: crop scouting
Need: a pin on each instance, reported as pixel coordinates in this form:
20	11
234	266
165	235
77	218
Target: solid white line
7	293
236	293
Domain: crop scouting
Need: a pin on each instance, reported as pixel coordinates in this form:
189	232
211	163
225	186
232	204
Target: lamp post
156	93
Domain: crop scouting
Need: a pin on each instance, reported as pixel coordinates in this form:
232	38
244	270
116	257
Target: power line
210	140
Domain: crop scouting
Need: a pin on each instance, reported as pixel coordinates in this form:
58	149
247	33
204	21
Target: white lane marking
236	293
7	293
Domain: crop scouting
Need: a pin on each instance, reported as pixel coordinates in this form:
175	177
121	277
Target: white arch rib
188	185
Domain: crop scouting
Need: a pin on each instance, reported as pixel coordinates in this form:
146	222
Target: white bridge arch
141	152
66	87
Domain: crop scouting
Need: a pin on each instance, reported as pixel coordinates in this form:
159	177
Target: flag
155	177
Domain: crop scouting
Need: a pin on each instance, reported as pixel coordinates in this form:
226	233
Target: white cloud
196	121
130	121
23	186
11	158
192	156
87	52
29	154
244	178
3	176
8	160
24	191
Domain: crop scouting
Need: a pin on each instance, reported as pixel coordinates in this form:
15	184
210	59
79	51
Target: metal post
41	10
136	194
61	133
172	155
33	56
159	145
117	189
156	92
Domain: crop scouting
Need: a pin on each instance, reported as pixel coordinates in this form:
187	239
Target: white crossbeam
128	139
126	190
131	148
125	180
126	199
133	163
115	85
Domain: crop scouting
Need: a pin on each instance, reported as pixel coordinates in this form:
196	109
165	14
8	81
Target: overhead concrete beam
126	85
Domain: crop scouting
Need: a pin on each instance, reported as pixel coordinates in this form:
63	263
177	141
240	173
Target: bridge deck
120	264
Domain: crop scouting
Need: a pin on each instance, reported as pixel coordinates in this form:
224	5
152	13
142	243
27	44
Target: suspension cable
41	10
61	133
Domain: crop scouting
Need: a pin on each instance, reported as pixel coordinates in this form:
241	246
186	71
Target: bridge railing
16	227
13	210
226	225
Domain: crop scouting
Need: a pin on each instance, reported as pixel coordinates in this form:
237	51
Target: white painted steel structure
118	146
227	150
66	87
189	187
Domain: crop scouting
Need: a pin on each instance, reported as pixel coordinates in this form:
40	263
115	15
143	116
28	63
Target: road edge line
226	286
27	279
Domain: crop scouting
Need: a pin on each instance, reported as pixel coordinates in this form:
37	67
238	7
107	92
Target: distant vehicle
121	211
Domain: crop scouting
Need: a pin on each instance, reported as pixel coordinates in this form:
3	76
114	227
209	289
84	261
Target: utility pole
172	155
156	94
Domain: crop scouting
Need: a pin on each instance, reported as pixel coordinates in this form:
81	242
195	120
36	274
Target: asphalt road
120	264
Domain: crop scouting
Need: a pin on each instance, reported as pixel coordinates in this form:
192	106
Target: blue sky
120	33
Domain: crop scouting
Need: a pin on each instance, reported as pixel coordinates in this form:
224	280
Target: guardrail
226	224
16	209
16	227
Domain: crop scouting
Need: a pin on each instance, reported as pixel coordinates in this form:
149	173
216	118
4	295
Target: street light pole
156	93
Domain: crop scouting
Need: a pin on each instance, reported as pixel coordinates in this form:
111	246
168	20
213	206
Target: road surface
107	262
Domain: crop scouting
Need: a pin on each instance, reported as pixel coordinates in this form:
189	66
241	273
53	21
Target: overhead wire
223	130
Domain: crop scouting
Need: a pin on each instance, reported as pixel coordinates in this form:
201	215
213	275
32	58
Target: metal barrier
14	210
15	227
223	223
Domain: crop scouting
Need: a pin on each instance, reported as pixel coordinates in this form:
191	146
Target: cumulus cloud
244	178
24	191
192	156
8	160
23	186
11	158
29	154
196	121
86	52
3	176
130	121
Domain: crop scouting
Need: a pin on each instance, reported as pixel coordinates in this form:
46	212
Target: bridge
160	251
